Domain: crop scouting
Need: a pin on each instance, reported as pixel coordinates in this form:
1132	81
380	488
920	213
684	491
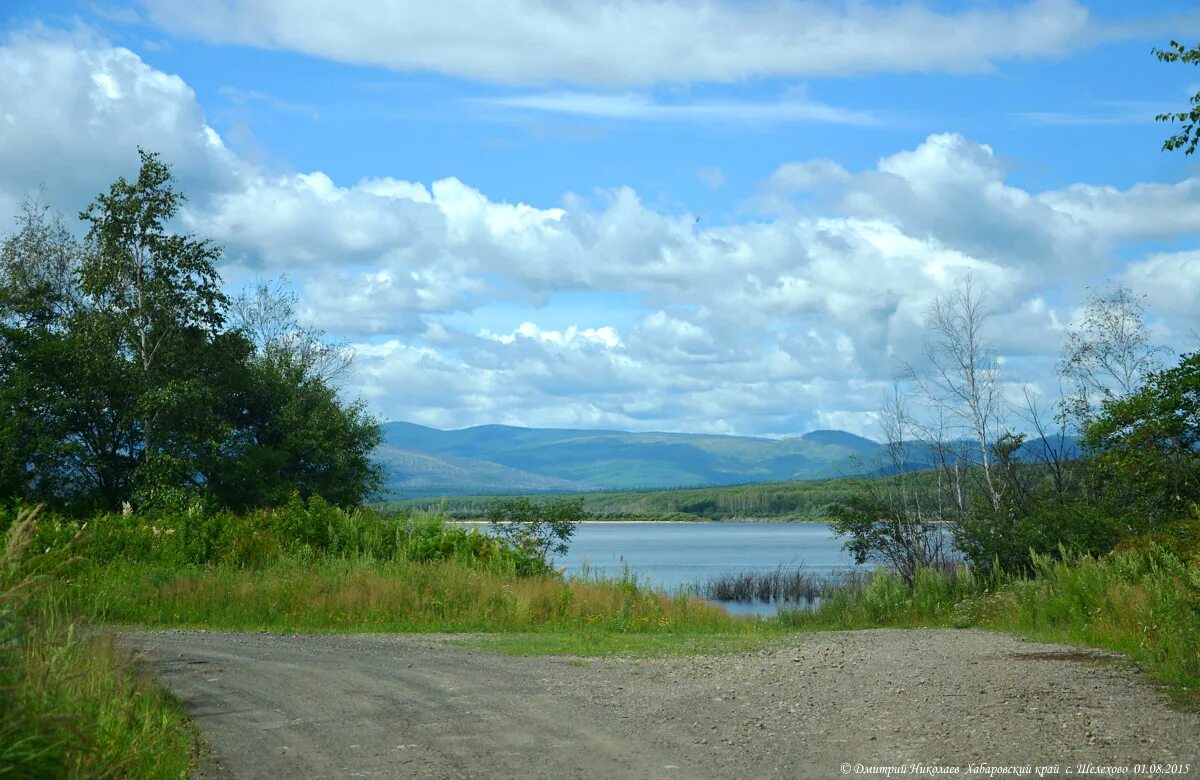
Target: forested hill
421	461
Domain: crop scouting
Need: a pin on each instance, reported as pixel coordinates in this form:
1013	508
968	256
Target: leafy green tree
123	381
1188	136
295	435
1148	446
157	291
38	303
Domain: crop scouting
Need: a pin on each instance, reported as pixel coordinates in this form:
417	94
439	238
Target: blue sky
721	215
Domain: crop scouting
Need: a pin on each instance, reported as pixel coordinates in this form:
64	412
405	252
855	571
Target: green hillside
491	458
415	473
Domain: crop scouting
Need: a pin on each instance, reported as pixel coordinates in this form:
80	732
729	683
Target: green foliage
1047	524
1180	539
123	382
1187	138
1143	604
294	434
887	599
300	530
881	531
343	594
543	528
70	703
1148	446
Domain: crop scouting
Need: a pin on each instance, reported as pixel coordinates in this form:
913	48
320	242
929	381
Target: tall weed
70	704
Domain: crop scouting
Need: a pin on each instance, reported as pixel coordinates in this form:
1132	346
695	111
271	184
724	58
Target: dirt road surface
302	706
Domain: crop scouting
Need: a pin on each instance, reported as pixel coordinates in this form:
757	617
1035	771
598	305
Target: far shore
673	522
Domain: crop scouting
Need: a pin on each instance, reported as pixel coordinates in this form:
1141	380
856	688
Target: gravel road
302	706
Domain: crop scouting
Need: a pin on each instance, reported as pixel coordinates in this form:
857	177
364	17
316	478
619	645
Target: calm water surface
672	555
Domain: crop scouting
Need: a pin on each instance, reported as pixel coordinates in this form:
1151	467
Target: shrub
536	529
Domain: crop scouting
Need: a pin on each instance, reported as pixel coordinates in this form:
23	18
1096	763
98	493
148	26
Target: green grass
77	708
71	703
603	644
341	595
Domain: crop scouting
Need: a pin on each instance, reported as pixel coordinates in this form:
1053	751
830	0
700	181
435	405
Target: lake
671	555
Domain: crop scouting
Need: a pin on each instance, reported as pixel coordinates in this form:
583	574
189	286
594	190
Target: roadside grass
77	708
71	703
1144	604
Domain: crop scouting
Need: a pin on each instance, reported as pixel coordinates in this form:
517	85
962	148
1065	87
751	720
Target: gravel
418	706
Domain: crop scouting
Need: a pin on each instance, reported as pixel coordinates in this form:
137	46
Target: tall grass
70	702
367	595
300	530
1144	605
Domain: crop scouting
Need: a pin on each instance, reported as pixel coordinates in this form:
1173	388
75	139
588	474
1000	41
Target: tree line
129	378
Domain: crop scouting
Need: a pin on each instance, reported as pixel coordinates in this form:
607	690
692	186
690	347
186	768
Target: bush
536	529
1050	525
1181	539
307	530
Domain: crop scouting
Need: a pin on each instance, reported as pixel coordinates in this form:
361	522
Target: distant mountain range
421	461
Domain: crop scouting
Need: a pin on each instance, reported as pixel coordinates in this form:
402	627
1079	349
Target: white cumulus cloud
795	319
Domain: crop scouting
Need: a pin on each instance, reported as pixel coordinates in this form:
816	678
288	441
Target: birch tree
146	284
1108	354
961	375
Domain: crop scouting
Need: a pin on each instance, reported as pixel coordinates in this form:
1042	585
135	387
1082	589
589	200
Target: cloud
793	320
1171	283
952	190
73	110
605	335
614	43
1144	211
637	107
